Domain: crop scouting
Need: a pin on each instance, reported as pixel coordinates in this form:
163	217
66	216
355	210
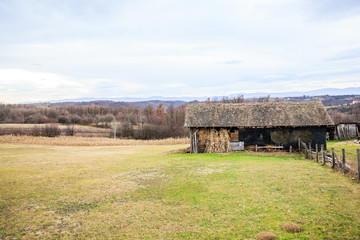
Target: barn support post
332	158
317	152
323	154
343	160
193	142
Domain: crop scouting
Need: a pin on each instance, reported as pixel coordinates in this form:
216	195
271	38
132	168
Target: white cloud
175	48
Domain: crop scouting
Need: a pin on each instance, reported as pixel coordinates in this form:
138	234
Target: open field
80	130
142	192
87	141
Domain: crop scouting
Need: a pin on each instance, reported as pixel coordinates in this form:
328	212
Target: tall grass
87	141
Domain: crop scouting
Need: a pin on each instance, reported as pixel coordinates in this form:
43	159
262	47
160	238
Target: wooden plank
323	154
343	160
358	160
270	147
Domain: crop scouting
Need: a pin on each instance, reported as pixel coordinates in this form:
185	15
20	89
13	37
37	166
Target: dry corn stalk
218	141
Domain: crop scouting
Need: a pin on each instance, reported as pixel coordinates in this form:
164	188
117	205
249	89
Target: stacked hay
234	136
218	141
203	134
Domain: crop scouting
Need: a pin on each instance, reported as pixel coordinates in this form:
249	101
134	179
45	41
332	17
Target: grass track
132	192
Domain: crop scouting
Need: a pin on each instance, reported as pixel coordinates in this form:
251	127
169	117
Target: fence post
343	160
358	160
290	149
323	154
256	148
310	151
299	145
333	158
317	153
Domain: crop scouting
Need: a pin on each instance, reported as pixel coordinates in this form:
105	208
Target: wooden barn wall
346	131
283	136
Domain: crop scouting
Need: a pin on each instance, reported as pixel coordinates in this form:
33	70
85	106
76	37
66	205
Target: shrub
63	119
125	130
70	130
36	131
51	130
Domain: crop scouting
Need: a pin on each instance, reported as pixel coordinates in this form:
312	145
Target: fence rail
331	159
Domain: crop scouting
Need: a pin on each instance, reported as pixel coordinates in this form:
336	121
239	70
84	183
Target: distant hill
182	99
108	103
319	92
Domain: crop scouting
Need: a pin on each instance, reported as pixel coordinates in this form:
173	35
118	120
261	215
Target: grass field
350	150
142	192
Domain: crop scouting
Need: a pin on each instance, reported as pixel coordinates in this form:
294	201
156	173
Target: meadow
350	150
147	192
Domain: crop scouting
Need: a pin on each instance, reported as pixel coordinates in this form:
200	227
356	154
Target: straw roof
260	115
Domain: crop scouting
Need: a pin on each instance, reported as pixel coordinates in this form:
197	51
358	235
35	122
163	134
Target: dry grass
87	141
266	236
138	192
80	130
291	227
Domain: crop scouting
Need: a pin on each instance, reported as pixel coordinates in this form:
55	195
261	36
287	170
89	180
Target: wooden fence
321	155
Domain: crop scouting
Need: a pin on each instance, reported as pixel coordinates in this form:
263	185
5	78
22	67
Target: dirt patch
208	170
182	150
277	153
300	221
141	178
266	236
291	227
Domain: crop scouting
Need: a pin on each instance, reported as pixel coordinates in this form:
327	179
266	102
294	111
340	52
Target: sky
61	49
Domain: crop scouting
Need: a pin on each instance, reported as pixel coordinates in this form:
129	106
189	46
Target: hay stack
218	141
266	236
291	227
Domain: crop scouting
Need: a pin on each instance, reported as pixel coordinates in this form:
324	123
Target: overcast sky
58	49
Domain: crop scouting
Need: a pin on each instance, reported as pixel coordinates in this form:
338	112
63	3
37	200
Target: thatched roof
260	115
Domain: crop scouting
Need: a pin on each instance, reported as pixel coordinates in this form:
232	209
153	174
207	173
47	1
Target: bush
36	131
51	130
125	130
63	119
70	130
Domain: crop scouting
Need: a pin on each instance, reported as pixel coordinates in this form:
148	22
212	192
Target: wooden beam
358	160
343	160
323	154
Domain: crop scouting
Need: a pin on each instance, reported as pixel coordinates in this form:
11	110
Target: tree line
132	121
150	122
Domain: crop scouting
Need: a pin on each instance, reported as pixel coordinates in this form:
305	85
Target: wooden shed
347	131
214	126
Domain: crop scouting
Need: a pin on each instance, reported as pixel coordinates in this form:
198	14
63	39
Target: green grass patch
140	192
350	149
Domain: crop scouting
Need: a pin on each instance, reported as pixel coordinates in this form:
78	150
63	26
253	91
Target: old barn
222	127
